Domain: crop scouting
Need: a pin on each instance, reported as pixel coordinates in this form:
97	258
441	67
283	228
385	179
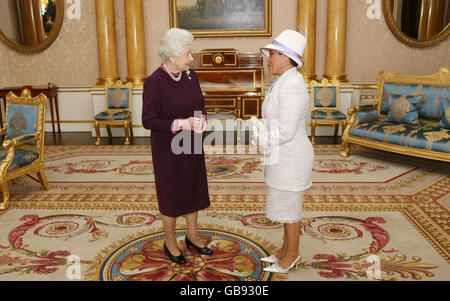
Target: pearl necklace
177	79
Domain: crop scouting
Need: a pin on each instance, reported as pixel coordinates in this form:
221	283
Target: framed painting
222	18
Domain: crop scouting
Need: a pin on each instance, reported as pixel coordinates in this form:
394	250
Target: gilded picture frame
388	7
222	18
43	45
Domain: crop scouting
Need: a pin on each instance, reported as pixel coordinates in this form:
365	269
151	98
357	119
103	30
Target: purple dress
181	182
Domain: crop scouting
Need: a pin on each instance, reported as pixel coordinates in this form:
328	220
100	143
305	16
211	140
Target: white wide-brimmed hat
290	43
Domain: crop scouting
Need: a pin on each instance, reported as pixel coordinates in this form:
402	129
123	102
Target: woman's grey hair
173	42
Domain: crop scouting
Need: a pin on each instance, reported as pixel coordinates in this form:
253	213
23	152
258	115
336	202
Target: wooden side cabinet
231	81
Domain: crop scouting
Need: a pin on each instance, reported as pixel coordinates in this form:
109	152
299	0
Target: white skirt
284	206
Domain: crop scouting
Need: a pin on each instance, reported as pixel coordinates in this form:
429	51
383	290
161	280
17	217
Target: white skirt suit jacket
288	152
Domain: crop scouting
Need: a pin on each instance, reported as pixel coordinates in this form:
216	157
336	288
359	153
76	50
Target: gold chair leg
346	147
125	128
345	144
108	128
131	130
5	193
43	179
97	130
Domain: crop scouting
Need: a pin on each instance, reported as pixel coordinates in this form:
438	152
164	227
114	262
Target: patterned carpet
371	216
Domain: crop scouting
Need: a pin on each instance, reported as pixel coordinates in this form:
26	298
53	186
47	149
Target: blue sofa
411	116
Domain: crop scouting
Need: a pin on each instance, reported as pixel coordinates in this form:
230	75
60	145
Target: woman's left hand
200	125
255	134
204	124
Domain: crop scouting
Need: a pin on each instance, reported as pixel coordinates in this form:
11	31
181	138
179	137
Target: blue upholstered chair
23	147
118	110
325	106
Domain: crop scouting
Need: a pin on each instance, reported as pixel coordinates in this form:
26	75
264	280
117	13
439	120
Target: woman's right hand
186	124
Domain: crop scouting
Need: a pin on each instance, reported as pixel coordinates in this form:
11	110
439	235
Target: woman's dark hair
293	63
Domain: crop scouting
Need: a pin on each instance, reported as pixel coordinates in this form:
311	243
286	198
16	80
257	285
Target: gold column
134	21
106	42
336	40
423	24
436	18
27	18
38	23
306	17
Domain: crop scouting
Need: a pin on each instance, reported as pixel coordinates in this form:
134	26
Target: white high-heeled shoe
275	268
271	259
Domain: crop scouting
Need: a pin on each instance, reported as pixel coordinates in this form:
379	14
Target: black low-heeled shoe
203	251
177	259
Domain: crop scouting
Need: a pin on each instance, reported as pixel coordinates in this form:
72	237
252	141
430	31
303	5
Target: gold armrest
360	108
352	110
352	119
366	107
6	162
18	140
353	116
10	145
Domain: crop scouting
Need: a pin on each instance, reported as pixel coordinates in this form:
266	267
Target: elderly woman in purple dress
173	108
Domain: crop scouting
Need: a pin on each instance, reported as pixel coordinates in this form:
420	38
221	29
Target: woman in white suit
288	153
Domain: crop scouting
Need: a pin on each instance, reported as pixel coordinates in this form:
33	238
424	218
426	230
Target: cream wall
72	60
371	47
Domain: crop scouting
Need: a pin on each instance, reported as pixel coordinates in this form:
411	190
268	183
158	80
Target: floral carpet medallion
362	251
371	216
346	166
236	257
24	256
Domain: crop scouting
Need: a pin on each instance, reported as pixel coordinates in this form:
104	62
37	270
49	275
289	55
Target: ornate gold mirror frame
387	11
47	42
